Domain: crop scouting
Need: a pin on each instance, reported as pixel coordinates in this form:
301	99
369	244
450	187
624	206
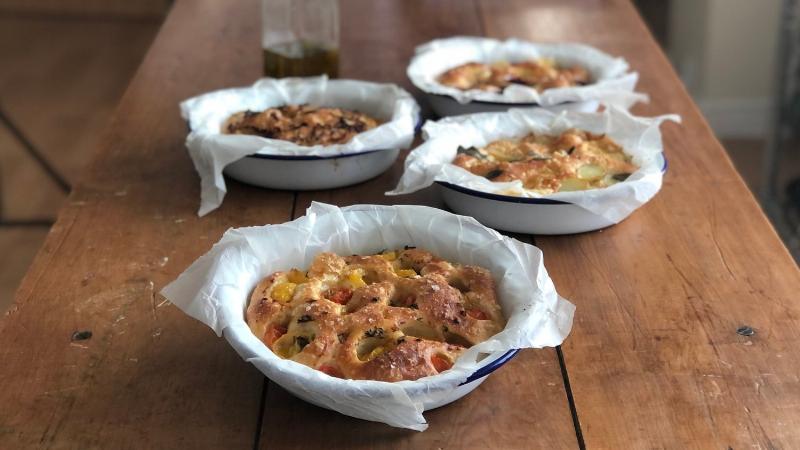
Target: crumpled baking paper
639	136
216	289
211	151
613	84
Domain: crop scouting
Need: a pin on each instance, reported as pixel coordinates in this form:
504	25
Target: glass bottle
300	37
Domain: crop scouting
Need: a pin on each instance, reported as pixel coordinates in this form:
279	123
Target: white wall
725	52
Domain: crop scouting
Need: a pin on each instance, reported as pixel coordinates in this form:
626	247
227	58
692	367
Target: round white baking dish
216	289
612	82
310	172
507	205
524	214
278	164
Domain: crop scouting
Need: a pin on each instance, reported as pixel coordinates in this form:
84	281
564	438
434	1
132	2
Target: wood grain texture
521	405
18	245
654	358
150	377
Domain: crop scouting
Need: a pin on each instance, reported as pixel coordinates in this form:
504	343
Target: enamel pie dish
610	81
523	214
217	288
281	164
302	173
506	203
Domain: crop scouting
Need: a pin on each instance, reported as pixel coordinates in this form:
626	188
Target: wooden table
654	359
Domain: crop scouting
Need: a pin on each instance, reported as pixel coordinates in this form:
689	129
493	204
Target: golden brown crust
301	124
394	316
573	160
539	74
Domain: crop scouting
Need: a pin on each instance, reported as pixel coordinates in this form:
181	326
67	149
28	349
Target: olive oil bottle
300	38
300	59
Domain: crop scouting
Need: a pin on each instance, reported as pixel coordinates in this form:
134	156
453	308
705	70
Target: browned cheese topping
574	160
301	124
540	74
398	315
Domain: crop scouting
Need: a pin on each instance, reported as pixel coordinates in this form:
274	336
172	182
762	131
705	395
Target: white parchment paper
639	136
216	288
613	84
211	151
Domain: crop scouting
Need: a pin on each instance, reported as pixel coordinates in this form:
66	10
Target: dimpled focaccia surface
540	74
398	315
302	124
574	160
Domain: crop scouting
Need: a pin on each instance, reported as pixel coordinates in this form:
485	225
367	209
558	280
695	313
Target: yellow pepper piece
296	276
406	273
573	184
389	256
377	351
355	279
283	292
287	352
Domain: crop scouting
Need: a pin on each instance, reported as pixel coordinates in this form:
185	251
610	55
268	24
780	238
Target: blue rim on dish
491	367
523	200
308	157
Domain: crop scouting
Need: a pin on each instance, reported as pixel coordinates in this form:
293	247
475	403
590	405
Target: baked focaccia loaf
571	161
302	124
398	315
540	74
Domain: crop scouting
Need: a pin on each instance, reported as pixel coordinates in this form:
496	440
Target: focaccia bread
398	315
301	124
574	160
539	74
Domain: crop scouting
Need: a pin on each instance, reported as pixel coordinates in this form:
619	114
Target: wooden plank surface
654	359
521	405
149	377
18	245
52	113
